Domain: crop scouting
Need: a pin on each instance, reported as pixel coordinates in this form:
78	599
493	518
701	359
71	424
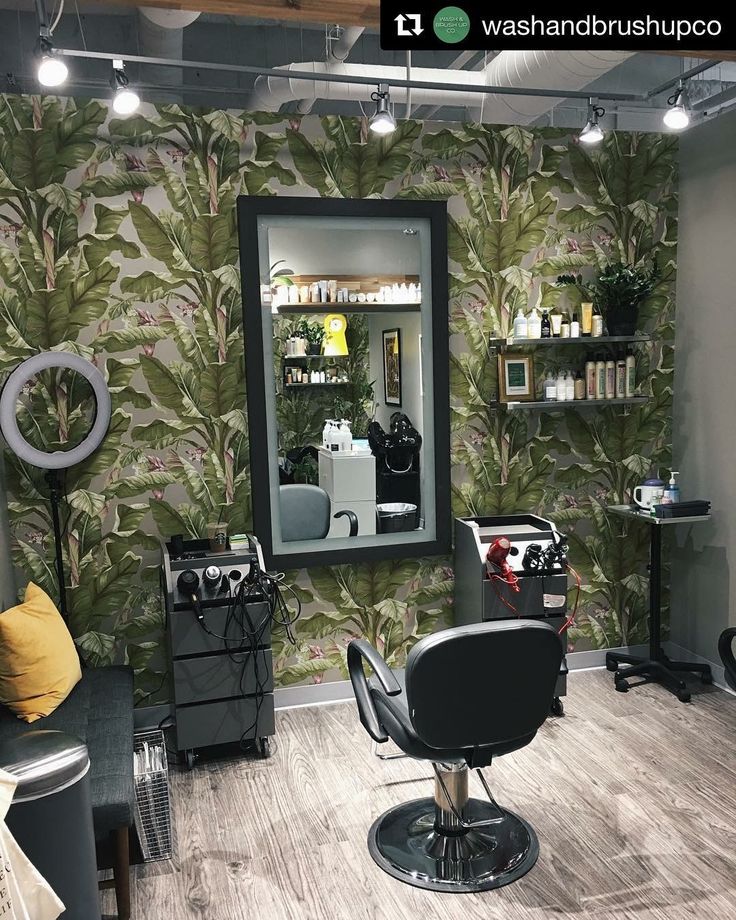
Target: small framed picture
515	378
392	366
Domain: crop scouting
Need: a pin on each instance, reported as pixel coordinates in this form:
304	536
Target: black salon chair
468	695
305	513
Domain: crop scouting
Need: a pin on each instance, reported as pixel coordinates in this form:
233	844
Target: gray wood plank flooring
633	798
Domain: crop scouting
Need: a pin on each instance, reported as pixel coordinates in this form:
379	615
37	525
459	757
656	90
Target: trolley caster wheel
264	747
621	686
683	696
611	665
190	758
557	707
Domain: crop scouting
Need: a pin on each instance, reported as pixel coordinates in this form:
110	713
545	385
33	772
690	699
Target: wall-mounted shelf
307	308
301	386
580	340
552	405
286	358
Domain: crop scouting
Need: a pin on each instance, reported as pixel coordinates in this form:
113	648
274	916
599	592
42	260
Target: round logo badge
451	25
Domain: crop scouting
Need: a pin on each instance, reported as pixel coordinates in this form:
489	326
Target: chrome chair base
407	844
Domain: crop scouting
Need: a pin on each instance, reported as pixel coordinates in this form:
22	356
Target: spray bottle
672	492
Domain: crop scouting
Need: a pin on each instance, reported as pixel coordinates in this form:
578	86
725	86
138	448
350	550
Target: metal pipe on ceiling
352	78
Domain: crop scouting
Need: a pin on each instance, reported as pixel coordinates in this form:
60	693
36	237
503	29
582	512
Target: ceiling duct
338	50
161	34
571	70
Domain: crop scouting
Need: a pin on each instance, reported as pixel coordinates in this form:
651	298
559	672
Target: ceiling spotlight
52	71
592	133
677	116
125	101
382	121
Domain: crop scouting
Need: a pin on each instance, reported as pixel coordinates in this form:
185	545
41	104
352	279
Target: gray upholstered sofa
100	711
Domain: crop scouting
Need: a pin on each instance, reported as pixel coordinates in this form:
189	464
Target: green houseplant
619	290
314	333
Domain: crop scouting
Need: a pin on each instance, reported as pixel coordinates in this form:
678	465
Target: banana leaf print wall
118	241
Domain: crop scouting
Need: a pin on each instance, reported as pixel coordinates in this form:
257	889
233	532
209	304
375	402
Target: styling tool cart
512	565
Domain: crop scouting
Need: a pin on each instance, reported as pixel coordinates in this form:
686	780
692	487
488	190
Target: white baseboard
341	691
718	671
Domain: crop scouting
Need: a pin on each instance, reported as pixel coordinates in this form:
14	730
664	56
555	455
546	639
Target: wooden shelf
580	340
301	386
552	405
307	308
286	358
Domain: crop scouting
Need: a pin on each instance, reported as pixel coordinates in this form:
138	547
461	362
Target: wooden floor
633	797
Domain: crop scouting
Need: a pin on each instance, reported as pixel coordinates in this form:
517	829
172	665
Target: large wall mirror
346	335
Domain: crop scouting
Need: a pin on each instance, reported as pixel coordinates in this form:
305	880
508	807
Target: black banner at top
417	25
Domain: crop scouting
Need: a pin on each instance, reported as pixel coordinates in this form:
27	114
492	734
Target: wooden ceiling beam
703	55
344	12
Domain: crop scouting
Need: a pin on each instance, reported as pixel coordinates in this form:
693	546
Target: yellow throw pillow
39	665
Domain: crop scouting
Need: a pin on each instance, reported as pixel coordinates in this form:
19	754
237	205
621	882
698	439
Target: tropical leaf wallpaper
118	242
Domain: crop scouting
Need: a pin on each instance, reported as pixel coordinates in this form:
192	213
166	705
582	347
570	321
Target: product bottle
347	435
574	327
610	378
672	492
590	379
569	387
546	326
289	378
630	374
587	316
600	377
550	387
561	387
579	386
565	326
520	325
534	325
326	433
620	378
556	319
597	323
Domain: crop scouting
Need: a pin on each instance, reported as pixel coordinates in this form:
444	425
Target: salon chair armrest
352	520
358	650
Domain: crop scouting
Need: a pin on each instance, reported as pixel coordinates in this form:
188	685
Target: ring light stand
57	460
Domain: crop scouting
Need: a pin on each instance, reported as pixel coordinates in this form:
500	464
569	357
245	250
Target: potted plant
314	334
619	291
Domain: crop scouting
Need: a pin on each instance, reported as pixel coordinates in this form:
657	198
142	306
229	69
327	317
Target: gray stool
51	815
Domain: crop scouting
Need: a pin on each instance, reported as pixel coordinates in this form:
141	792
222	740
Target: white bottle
332	435
521	329
412	293
574	327
630	374
326	434
322	377
534	325
600	378
561	387
347	436
569	387
610	378
550	387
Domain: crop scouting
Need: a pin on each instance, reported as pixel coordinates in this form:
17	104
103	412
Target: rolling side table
657	668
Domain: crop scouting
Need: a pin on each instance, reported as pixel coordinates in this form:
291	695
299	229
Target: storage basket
152	803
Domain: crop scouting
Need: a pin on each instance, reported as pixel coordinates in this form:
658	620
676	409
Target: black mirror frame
250	208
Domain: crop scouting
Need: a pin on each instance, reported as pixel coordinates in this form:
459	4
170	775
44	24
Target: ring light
58	459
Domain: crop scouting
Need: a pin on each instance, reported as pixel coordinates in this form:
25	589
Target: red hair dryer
497	561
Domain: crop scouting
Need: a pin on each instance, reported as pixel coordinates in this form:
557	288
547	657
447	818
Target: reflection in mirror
345	310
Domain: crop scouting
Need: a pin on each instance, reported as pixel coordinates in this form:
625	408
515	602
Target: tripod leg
52	477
